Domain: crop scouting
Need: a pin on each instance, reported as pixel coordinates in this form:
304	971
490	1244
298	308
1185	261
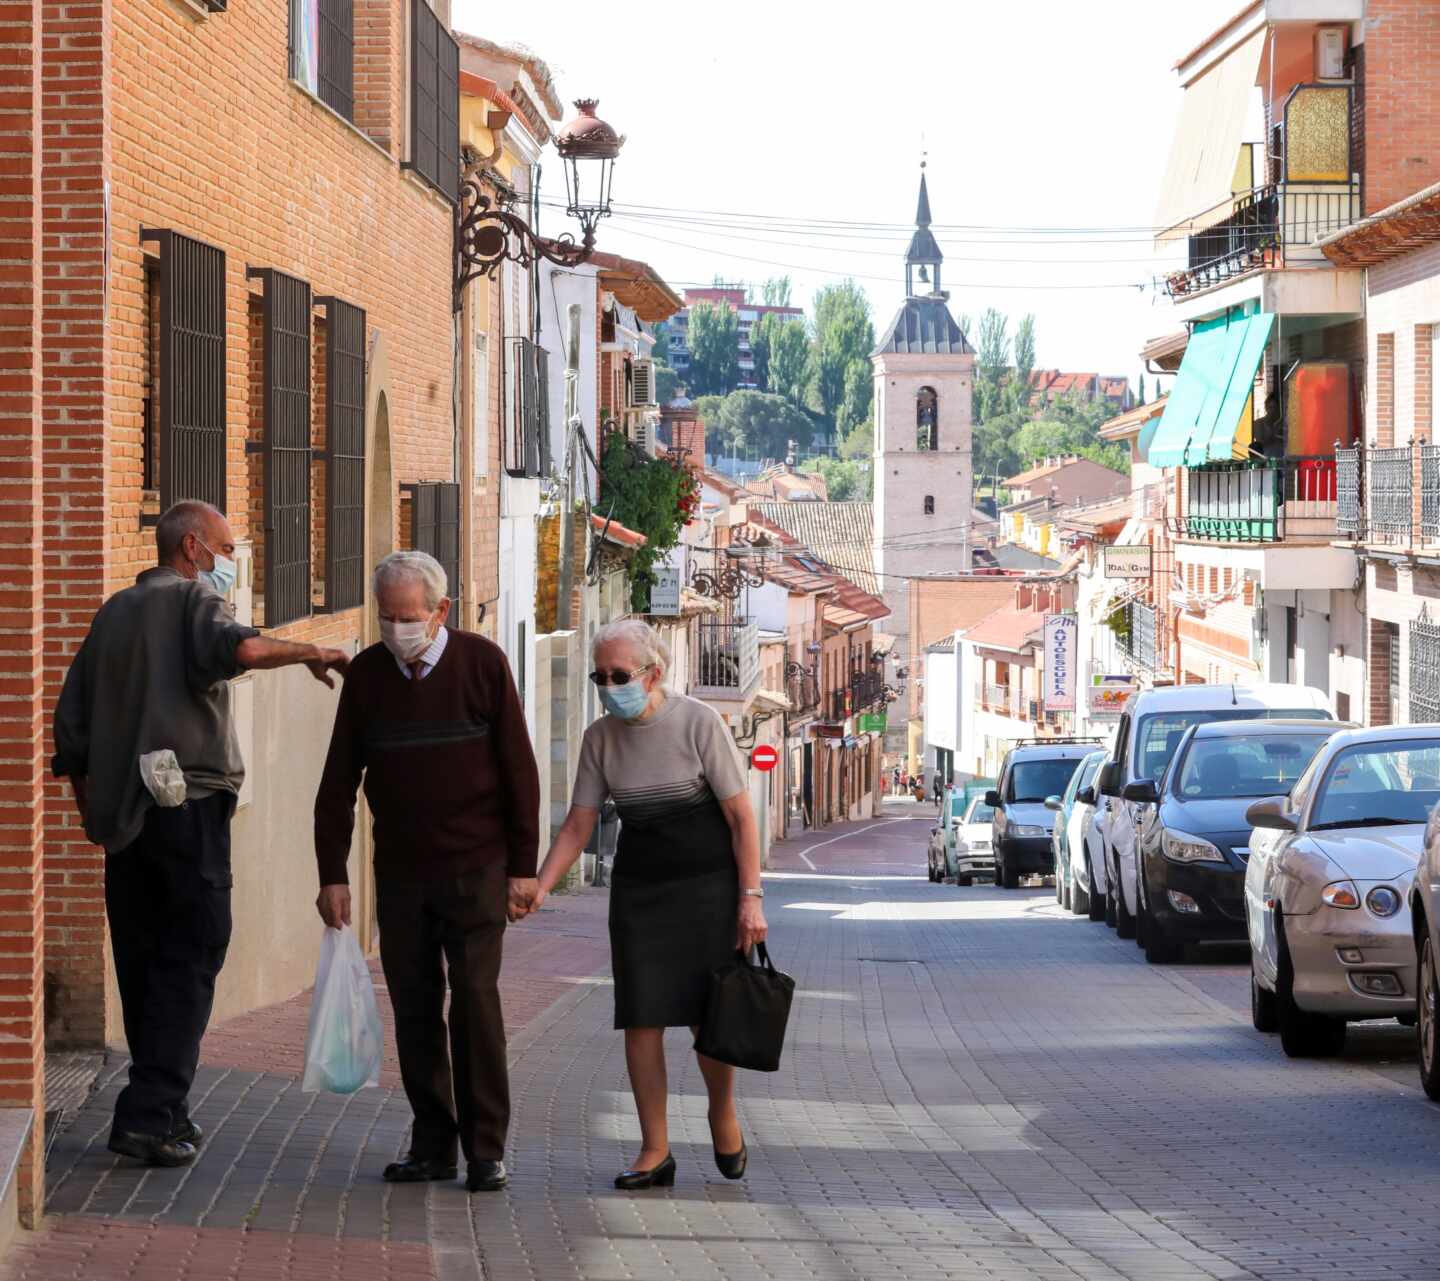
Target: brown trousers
459	921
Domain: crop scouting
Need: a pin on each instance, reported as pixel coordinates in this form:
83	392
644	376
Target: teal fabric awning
1209	415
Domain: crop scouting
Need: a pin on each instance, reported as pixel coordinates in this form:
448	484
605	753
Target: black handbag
745	1017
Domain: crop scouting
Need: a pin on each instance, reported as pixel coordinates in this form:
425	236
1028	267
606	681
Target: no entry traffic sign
764	757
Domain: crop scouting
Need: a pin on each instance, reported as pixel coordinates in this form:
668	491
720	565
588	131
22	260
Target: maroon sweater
449	771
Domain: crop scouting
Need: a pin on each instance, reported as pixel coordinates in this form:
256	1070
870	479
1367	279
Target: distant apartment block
747	313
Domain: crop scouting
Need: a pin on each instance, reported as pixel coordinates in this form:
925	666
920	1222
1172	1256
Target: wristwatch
753	893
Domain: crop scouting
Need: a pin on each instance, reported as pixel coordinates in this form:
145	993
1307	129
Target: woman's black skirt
673	905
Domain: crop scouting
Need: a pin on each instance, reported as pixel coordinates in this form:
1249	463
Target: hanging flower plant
656	497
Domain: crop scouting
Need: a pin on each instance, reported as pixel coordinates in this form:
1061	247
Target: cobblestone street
976	1085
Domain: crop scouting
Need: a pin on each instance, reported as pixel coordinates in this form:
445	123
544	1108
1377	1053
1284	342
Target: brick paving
977	1086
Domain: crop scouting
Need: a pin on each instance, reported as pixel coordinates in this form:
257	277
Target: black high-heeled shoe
659	1176
733	1165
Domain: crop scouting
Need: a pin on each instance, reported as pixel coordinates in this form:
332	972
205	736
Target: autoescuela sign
1128	562
1061	631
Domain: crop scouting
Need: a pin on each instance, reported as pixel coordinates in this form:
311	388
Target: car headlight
1181	847
1341	894
1026	829
1383	901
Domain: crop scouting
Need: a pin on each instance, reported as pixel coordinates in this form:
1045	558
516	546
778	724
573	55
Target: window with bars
286	329
434	101
435	526
188	370
1424	672
527	435
322	51
344	454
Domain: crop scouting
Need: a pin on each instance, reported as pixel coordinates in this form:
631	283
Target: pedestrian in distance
433	722
149	681
938	788
685	888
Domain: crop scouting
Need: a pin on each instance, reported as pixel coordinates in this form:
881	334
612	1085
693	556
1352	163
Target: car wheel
1079	900
1124	922
1110	901
1142	919
964	881
1160	948
1094	902
1006	876
1263	1015
1303	1035
1069	890
1059	884
1427	1021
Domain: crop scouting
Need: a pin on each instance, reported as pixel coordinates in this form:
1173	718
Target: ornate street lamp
488	232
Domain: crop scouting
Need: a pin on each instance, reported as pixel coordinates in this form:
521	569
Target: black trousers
429	931
167	897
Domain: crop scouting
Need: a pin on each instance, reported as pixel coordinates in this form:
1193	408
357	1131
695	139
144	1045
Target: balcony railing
1137	643
1429	493
727	659
802	692
1272	226
996	698
1350	492
1389	498
1273	501
867	690
839	704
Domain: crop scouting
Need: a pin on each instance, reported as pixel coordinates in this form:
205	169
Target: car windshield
1159	734
979	813
1374	784
1255	765
1033	781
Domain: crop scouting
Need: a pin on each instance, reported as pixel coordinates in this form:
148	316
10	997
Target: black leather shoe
415	1170
486	1176
659	1176
188	1132
153	1149
733	1165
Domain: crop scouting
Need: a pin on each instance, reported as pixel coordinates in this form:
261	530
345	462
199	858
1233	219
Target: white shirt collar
429	658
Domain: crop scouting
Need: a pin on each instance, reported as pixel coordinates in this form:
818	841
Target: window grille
929	504
435	526
190	377
1424	672
286	329
337	55
344	454
434	101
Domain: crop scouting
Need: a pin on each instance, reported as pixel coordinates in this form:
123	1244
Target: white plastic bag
342	1047
163	778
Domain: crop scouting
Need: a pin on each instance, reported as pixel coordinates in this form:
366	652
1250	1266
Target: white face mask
407	641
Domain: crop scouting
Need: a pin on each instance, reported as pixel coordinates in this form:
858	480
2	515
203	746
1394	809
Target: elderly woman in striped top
686	885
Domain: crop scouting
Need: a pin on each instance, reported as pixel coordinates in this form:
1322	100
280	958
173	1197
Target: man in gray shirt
150	676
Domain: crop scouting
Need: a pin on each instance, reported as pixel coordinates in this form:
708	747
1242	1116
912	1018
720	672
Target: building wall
1403	301
1402	109
210	138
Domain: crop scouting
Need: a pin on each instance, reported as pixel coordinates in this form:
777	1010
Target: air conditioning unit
643	434
642	384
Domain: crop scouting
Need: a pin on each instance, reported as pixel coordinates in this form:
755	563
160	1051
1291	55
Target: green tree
757	422
775	292
1071	426
667	384
843	334
762	342
788	361
858	444
845	478
1024	358
858	400
652	496
1140	395
992	362
714	342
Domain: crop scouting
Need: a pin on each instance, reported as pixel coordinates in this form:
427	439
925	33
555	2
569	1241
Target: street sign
1061	631
764	758
1127	562
870	723
665	591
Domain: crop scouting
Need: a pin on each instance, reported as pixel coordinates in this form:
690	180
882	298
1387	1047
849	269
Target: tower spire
924	252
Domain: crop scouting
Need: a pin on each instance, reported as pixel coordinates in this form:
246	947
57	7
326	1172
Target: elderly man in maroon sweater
432	720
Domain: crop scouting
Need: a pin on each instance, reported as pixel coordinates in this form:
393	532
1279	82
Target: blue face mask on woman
625	701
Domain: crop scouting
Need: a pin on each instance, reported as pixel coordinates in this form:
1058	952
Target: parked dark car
1194	840
1020	831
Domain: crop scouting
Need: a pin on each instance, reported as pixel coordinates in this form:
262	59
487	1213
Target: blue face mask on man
222	576
625	701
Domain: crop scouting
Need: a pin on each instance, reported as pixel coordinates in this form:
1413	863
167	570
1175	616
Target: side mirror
992	799
1054	803
1142	790
1110	779
1270	813
1086	796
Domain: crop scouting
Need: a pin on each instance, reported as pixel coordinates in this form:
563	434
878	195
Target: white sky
1036	114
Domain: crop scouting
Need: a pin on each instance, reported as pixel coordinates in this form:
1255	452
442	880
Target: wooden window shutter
287	326
434	101
191	374
344	454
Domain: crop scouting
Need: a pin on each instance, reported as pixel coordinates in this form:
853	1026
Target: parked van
1152	723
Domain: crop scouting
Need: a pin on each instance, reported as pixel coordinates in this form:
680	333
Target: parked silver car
1328	885
1425	921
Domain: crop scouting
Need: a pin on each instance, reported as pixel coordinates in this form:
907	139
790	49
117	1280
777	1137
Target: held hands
751	928
523	898
325	661
333	905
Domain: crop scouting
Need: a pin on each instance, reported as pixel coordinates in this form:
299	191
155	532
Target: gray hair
640	636
412	567
189	516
